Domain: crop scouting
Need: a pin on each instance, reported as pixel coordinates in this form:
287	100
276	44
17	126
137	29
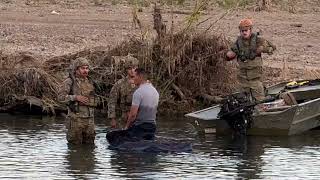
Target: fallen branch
212	99
178	90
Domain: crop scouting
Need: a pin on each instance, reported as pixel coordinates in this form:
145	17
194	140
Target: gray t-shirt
147	98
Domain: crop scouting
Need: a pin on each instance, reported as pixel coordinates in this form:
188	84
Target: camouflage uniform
250	75
80	119
121	93
120	100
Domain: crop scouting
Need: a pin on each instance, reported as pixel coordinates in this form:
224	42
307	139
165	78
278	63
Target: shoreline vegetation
183	66
187	66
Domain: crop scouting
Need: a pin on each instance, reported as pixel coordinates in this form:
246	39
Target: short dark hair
141	72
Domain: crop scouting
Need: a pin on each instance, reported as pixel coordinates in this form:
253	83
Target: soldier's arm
264	46
113	98
64	90
232	53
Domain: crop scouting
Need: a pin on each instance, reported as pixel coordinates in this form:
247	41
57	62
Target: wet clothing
250	63
121	140
135	133
120	99
140	137
80	118
80	130
144	131
147	98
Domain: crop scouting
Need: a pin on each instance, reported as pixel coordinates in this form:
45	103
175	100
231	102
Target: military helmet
80	62
245	24
129	61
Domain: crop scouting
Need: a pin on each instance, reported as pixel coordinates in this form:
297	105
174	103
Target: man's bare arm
132	115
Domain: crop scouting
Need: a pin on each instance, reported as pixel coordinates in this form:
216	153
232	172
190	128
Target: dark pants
145	131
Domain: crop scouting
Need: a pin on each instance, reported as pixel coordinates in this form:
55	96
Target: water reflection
36	148
135	165
81	160
249	150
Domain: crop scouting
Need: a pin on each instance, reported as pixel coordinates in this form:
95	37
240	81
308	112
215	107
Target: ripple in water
36	148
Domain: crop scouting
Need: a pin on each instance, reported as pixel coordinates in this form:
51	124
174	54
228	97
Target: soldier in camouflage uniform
77	91
247	49
120	97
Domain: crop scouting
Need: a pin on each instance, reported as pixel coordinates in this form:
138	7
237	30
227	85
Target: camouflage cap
130	62
80	62
126	61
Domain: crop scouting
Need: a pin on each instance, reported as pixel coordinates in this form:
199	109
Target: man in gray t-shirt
146	98
141	121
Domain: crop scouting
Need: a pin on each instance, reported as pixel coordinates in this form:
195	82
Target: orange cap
245	23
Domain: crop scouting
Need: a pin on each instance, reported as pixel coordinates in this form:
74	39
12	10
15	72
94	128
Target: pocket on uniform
255	73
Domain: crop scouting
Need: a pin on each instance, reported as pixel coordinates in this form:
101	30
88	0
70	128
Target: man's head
245	27
139	76
130	63
81	67
130	70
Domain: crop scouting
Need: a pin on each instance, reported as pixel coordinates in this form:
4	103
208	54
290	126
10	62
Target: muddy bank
186	67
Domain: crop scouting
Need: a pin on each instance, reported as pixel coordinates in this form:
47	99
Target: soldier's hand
230	55
259	50
82	99
113	123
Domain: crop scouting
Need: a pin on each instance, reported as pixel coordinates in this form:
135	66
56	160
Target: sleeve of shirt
234	47
64	90
267	47
113	99
136	98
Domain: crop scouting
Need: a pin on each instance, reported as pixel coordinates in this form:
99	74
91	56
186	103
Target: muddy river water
36	148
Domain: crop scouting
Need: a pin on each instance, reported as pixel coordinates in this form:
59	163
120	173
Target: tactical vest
246	52
84	88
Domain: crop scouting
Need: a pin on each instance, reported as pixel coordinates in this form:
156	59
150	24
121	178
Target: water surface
36	148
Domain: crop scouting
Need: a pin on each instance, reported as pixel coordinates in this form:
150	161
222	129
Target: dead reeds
22	76
182	65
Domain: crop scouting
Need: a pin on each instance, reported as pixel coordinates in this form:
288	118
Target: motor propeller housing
237	110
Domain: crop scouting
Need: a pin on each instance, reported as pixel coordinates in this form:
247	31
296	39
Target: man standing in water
77	91
141	123
248	49
120	97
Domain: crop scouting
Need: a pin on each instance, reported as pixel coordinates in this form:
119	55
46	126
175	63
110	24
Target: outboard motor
237	110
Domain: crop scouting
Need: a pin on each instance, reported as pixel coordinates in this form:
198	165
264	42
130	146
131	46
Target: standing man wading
77	91
248	49
141	122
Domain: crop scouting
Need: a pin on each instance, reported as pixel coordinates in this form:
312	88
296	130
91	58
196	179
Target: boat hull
287	120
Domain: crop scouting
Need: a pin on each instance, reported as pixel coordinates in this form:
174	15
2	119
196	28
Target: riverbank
47	31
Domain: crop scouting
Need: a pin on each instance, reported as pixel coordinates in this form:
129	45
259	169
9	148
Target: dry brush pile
184	67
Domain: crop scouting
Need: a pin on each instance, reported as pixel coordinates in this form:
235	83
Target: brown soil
48	29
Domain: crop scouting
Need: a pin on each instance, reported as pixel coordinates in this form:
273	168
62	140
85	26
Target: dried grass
26	78
191	62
